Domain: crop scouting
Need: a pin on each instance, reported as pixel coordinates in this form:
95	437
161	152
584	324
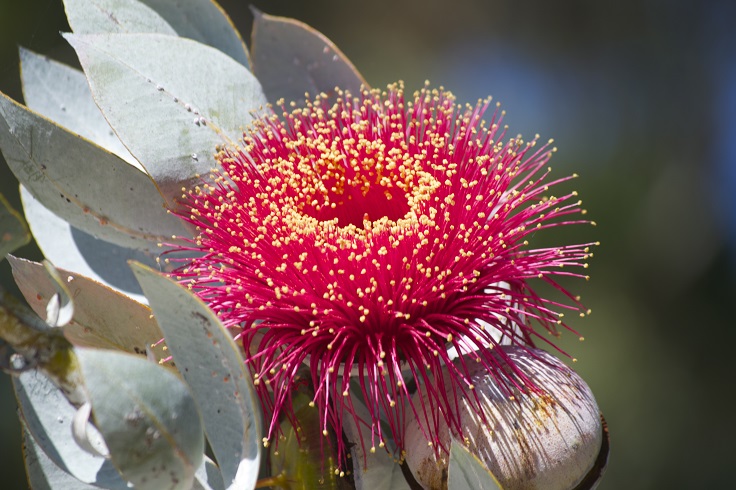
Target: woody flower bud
551	439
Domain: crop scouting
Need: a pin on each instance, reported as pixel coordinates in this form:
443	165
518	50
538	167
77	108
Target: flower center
356	203
347	172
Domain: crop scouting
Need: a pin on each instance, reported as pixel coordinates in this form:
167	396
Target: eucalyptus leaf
47	416
291	58
43	473
13	229
107	16
208	476
466	472
171	101
74	250
103	317
60	307
147	416
211	363
371	469
204	21
81	428
61	93
86	185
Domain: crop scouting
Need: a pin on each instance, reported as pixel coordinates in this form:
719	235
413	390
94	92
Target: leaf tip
257	13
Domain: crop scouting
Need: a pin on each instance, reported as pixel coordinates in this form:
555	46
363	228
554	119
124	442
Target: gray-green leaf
466	472
72	249
44	474
171	100
47	416
103	318
13	229
370	469
86	185
203	21
208	476
61	93
59	307
147	416
107	16
211	363
291	58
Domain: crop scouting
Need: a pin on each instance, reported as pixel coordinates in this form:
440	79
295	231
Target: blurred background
640	97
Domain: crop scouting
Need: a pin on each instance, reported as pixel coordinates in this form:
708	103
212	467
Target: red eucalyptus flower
366	239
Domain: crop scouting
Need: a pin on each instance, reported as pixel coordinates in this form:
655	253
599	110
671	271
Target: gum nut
546	442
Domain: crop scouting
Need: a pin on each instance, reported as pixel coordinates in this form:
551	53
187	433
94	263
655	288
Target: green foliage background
634	94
